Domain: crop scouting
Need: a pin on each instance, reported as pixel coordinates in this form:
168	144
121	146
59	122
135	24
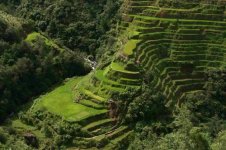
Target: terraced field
99	131
176	40
84	100
104	131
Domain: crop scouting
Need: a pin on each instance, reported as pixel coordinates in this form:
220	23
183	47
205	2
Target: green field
60	102
32	37
130	46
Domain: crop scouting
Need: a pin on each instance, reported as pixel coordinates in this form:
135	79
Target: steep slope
175	46
176	41
30	62
79	25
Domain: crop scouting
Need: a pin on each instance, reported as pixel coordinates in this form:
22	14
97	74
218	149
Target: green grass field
32	37
130	46
118	67
60	102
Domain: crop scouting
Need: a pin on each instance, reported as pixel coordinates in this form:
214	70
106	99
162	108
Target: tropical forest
113	75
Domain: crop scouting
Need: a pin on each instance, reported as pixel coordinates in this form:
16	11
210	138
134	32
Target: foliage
62	96
197	124
28	69
79	25
54	127
30	66
148	105
2	138
220	141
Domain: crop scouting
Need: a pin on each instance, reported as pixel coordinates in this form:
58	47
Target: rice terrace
113	74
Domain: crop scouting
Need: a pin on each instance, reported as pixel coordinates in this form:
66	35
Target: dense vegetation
198	124
160	81
34	68
27	69
79	25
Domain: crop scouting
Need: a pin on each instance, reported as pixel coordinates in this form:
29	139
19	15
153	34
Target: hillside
30	63
160	80
79	25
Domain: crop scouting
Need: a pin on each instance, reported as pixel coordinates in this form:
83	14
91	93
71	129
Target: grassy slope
17	124
60	102
32	37
130	46
118	67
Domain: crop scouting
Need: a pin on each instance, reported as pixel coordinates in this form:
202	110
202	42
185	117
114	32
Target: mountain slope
30	63
164	81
